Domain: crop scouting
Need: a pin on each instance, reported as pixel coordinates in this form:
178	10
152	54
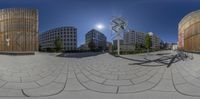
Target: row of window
65	44
59	33
66	30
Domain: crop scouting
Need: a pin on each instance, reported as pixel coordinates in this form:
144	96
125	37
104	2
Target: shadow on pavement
79	55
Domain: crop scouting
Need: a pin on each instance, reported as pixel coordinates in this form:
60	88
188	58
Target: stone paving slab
10	93
12	85
101	75
185	78
73	84
32	74
100	87
49	89
135	88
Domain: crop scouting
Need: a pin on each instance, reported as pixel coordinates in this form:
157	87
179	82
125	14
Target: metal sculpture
119	26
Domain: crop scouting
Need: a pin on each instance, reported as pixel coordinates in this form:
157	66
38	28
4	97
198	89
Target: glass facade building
189	32
98	38
18	30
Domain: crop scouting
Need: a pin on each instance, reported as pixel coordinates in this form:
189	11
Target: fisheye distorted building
155	40
189	32
18	30
132	38
67	35
98	38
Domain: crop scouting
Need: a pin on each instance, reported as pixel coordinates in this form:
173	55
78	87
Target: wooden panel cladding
18	29
190	28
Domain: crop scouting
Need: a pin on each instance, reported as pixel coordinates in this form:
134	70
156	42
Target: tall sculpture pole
119	26
118	43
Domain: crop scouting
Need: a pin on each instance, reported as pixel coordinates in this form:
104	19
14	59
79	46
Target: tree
58	44
91	45
147	42
138	46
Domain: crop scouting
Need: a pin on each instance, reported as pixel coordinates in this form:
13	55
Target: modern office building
83	47
132	38
98	38
155	41
18	30
67	35
189	32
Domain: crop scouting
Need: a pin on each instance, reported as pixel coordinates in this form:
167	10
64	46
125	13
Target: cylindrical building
18	30
189	32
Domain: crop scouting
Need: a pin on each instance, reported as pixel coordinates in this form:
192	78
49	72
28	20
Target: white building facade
133	38
67	35
155	41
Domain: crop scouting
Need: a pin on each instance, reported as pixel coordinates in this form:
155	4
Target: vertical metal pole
118	44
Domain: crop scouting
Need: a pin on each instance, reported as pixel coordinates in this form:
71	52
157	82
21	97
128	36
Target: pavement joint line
92	74
20	79
181	83
136	75
38	83
51	82
186	94
58	82
188	81
161	90
167	78
150	82
75	90
4	84
132	82
104	81
117	91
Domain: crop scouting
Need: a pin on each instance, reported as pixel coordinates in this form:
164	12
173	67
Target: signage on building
181	42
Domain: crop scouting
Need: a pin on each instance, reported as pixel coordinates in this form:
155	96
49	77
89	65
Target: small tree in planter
147	42
58	44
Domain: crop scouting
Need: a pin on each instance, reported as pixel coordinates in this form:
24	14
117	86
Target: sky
158	16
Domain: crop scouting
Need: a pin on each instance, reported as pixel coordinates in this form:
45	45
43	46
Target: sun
100	26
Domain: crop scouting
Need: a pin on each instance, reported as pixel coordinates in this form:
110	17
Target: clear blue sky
157	16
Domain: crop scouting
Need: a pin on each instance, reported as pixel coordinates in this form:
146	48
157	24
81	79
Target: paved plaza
100	76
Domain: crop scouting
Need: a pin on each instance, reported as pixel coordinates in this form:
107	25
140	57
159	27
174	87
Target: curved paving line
118	86
147	88
24	93
108	73
183	93
91	67
191	70
33	81
138	68
110	79
187	80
